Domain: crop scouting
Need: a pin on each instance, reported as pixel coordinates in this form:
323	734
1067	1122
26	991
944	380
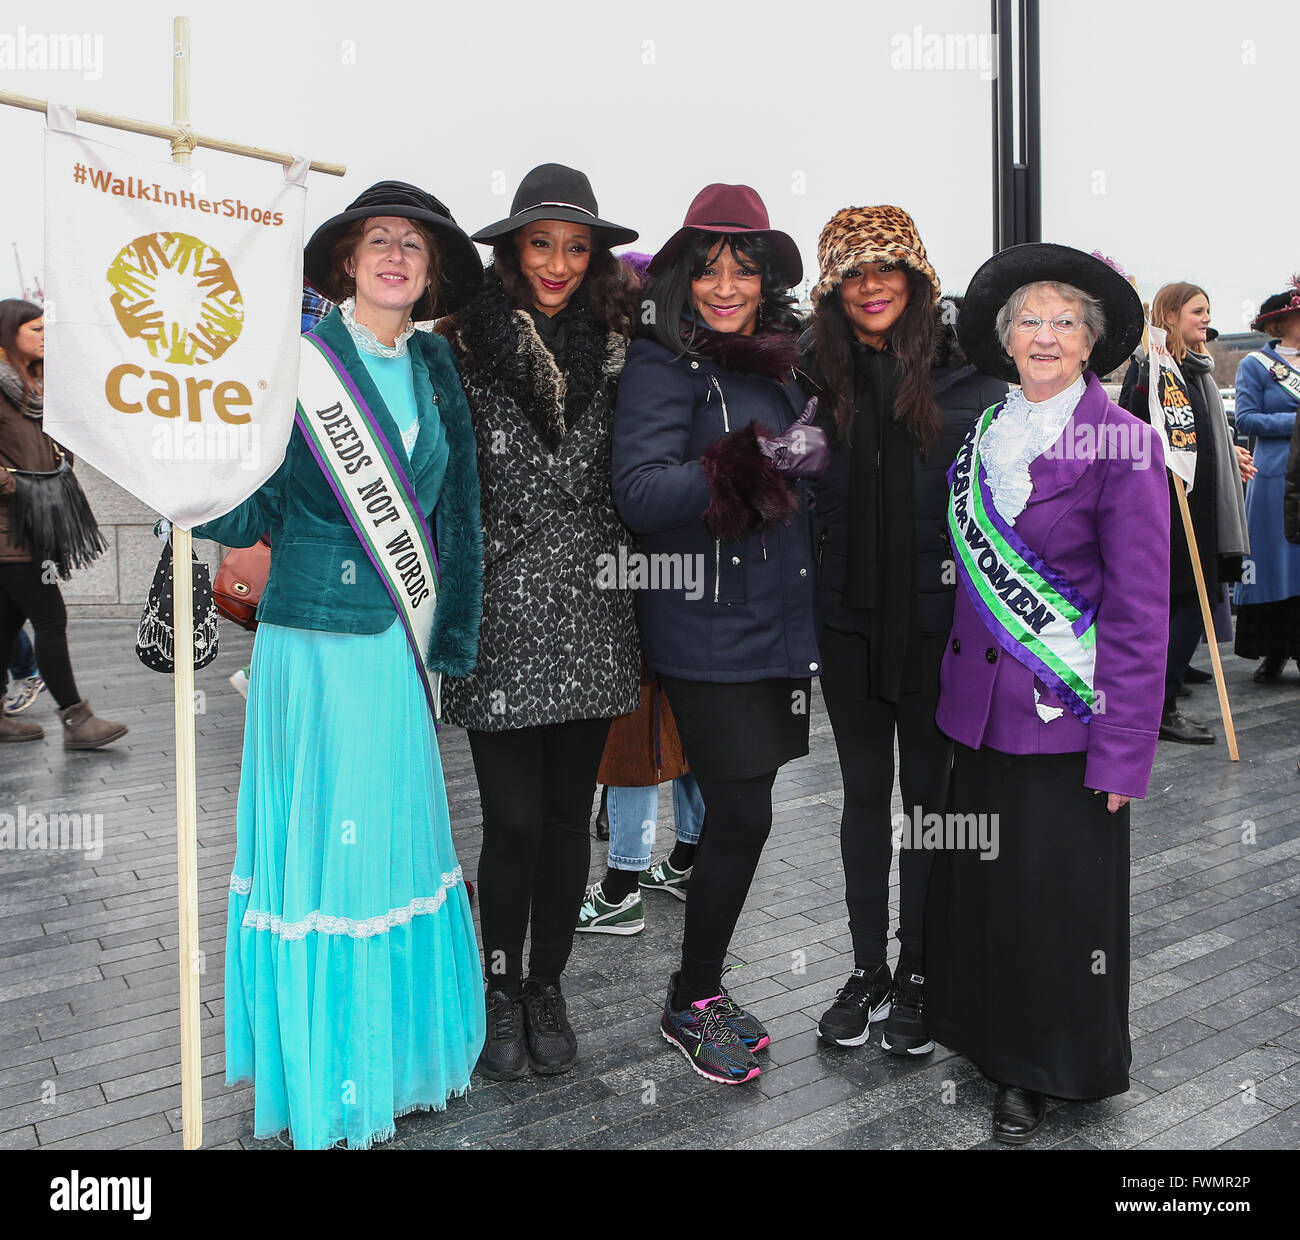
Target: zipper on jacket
717	542
726	422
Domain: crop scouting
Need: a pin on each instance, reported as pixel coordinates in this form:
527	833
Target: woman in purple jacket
1051	687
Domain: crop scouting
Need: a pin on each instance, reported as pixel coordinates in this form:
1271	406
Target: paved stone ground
89	1031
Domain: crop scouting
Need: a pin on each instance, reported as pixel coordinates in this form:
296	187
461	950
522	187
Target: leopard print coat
553	645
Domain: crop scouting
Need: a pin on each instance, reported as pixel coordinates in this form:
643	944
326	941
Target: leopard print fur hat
869	235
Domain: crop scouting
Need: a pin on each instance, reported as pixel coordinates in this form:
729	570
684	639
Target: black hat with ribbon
554	192
1278	306
992	286
462	270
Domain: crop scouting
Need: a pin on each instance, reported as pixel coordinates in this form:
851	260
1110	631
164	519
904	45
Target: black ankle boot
1017	1114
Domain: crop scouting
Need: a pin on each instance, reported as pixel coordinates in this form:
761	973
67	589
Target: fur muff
746	494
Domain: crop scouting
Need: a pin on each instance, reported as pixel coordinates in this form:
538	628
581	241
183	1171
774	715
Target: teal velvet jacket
320	575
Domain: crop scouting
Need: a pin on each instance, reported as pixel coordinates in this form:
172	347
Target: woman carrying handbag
46	529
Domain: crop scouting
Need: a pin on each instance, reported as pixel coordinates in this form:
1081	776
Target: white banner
172	313
1171	409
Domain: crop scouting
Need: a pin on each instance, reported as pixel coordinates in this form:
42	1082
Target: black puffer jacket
962	393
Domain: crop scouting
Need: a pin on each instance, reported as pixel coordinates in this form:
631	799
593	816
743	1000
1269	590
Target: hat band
572	205
727	224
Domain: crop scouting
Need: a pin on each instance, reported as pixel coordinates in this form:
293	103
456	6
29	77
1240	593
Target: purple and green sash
1033	612
370	481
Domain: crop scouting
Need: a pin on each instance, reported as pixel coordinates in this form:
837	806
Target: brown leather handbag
240	582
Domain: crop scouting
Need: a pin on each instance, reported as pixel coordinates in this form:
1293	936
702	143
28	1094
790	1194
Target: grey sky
1156	147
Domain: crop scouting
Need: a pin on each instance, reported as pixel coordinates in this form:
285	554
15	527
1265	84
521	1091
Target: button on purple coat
1099	514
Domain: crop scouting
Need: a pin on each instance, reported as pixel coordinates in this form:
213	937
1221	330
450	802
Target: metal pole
1031	101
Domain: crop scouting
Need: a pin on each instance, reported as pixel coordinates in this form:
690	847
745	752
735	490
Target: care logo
178	295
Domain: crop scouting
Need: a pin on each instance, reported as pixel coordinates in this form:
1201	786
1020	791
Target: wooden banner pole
187	813
171	132
1229	732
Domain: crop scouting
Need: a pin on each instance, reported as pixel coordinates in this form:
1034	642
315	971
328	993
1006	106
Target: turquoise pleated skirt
354	991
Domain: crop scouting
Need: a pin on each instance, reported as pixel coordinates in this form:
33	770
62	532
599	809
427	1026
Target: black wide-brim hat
554	192
993	284
462	270
1276	307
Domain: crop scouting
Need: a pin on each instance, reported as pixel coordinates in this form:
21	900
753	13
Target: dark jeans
864	728
23	596
1185	629
736	828
536	787
22	662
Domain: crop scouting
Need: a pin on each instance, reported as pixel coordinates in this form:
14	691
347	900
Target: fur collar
770	354
503	344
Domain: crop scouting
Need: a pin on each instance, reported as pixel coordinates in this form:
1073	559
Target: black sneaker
505	1054
864	998
904	1031
552	1045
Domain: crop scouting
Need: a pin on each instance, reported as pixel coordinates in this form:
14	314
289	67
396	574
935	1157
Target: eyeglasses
1062	325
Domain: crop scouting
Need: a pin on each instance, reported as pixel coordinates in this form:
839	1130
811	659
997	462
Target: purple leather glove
801	451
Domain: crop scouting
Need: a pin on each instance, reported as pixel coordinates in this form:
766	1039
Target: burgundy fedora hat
730	209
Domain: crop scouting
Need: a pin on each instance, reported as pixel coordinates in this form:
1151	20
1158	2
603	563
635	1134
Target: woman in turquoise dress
353	986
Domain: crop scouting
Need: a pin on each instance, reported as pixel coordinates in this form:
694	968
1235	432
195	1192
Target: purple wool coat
1100	516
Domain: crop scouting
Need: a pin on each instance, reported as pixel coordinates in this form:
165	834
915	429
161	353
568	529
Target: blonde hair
1168	304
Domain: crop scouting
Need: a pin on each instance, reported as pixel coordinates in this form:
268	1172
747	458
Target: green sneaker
598	916
662	877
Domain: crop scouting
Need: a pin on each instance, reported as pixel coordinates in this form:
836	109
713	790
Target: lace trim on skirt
317	922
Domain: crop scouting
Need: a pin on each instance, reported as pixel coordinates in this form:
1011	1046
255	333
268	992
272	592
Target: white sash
371	484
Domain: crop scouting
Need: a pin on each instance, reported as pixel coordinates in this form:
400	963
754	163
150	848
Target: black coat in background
1291	495
1202	503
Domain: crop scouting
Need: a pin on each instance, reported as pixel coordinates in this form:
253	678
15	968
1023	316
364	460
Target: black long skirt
1027	953
740	730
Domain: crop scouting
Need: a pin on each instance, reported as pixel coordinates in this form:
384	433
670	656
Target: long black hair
14	312
911	340
667	298
608	288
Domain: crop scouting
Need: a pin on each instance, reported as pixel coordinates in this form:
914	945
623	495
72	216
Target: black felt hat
462	269
993	284
1277	306
554	192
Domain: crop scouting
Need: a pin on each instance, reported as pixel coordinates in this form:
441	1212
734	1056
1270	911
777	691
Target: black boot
1017	1114
1270	671
1175	726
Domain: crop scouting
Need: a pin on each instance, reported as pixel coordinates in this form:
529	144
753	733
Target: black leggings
23	596
864	729
536	786
738	824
